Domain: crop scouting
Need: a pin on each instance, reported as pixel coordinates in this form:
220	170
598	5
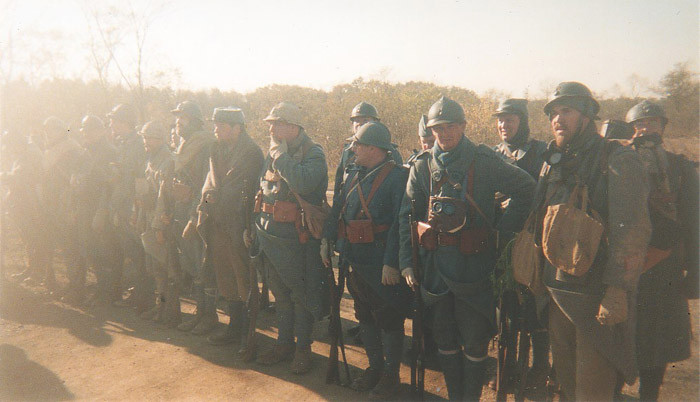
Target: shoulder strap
383	173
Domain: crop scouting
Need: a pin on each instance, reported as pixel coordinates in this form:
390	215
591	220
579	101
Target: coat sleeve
629	227
391	252
415	190
688	210
305	176
517	185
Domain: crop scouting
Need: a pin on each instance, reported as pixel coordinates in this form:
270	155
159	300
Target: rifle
249	353
335	328
417	340
513	348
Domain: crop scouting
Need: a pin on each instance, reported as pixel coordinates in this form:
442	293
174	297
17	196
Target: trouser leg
453	371
650	380
284	307
303	326
563	339
372	342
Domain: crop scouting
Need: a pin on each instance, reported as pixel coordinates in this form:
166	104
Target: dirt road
53	351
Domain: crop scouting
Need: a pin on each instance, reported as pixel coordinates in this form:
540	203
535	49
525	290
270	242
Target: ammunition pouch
359	231
427	236
285	211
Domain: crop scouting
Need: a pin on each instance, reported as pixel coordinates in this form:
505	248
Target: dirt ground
53	351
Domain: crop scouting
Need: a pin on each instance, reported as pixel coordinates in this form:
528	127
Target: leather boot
372	341
172	311
198	294
453	371
209	320
233	331
151	313
473	378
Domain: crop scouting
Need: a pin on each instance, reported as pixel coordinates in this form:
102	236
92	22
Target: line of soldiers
434	226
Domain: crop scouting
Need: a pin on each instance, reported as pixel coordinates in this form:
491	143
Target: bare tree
118	36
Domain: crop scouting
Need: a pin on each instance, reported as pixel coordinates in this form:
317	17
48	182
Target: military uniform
98	239
22	181
181	197
663	318
131	160
150	218
230	183
586	353
457	266
290	255
527	154
378	307
61	163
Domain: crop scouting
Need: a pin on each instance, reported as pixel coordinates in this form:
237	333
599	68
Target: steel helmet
445	110
644	110
364	109
576	96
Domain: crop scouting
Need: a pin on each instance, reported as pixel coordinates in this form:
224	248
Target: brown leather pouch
257	207
360	231
474	241
427	236
285	211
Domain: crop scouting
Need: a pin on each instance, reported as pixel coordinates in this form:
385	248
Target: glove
390	276
326	252
410	278
247	238
613	307
189	231
277	148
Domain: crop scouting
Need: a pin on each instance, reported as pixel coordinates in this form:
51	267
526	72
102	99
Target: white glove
326	252
390	275
277	148
410	277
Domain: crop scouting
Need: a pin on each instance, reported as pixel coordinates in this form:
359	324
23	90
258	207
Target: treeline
327	112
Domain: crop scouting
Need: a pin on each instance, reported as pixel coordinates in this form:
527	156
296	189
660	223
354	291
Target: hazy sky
510	46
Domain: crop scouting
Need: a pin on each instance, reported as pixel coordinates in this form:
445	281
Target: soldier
371	200
590	328
149	219
671	267
452	187
98	240
61	163
21	179
362	113
294	171
131	160
526	153
427	139
517	147
230	186
180	199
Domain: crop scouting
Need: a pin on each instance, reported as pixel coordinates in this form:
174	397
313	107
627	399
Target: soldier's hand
326	252
160	237
613	307
247	238
410	277
390	276
189	231
277	148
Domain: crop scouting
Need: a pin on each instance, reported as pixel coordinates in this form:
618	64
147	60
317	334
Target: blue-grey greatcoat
302	169
528	157
446	269
368	259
